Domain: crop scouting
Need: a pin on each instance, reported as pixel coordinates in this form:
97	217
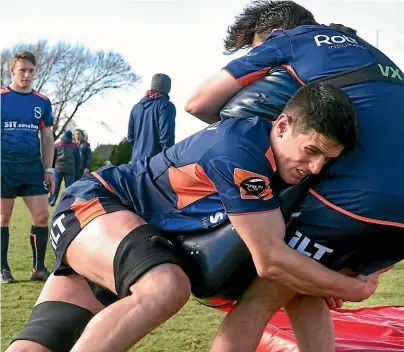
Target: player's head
315	126
23	70
78	135
259	19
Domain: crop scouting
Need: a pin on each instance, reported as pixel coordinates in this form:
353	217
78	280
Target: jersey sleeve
275	51
47	117
241	175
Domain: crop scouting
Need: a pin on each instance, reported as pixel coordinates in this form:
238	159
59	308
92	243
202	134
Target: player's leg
35	195
9	190
38	207
62	311
6	210
312	323
244	325
138	264
100	239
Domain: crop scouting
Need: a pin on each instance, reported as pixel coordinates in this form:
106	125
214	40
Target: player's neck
20	89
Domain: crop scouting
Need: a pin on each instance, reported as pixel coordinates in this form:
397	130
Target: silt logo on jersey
252	185
38	112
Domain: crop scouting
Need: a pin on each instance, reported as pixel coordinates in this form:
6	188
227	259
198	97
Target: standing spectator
66	162
152	120
24	171
85	153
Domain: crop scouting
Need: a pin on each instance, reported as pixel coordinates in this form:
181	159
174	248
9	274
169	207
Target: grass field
191	330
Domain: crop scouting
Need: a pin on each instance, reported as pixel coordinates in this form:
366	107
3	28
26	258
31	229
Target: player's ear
281	125
12	70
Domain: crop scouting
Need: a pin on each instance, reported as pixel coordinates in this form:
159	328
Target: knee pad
141	250
55	325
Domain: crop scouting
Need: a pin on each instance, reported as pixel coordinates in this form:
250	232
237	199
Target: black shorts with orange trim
338	239
81	203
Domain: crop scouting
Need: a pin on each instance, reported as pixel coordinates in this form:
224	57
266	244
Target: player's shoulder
43	97
300	30
5	90
252	129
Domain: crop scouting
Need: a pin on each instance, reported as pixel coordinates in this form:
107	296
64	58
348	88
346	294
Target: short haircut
260	18
24	55
325	109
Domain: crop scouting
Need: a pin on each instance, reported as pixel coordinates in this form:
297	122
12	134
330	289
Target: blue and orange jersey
367	181
23	115
224	169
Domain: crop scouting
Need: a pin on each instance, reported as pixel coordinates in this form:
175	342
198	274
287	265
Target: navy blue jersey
367	181
23	115
223	169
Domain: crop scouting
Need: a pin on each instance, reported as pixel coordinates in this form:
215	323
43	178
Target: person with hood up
151	125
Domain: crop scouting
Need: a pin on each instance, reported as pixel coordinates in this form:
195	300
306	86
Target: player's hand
371	282
334	303
375	275
50	181
86	171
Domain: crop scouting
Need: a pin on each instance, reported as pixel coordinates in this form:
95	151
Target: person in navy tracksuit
151	125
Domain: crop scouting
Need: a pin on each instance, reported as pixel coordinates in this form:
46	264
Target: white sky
183	38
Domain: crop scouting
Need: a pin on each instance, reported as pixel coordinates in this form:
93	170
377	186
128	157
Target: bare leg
155	298
158	295
312	324
243	327
38	207
71	289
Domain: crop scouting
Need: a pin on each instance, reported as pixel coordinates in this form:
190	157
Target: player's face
298	155
23	73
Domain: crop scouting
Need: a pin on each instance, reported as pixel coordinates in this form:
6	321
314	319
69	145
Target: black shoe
6	277
39	275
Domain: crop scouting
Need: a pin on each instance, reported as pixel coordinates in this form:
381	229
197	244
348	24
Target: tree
121	153
97	162
70	75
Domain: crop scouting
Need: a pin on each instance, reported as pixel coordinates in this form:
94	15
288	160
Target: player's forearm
307	276
48	149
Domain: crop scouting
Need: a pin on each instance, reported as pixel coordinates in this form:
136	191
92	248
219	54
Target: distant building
104	151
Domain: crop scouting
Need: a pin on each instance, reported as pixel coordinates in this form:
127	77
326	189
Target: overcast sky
183	38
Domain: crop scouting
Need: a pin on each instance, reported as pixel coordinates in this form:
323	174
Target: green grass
190	330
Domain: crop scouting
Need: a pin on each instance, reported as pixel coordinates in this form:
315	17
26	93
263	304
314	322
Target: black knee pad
141	250
55	325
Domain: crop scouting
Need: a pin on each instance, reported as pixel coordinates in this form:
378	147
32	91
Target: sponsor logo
212	220
14	125
301	244
37	112
252	185
56	230
336	41
392	72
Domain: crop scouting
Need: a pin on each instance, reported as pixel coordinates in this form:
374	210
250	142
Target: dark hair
325	109
260	18
24	55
